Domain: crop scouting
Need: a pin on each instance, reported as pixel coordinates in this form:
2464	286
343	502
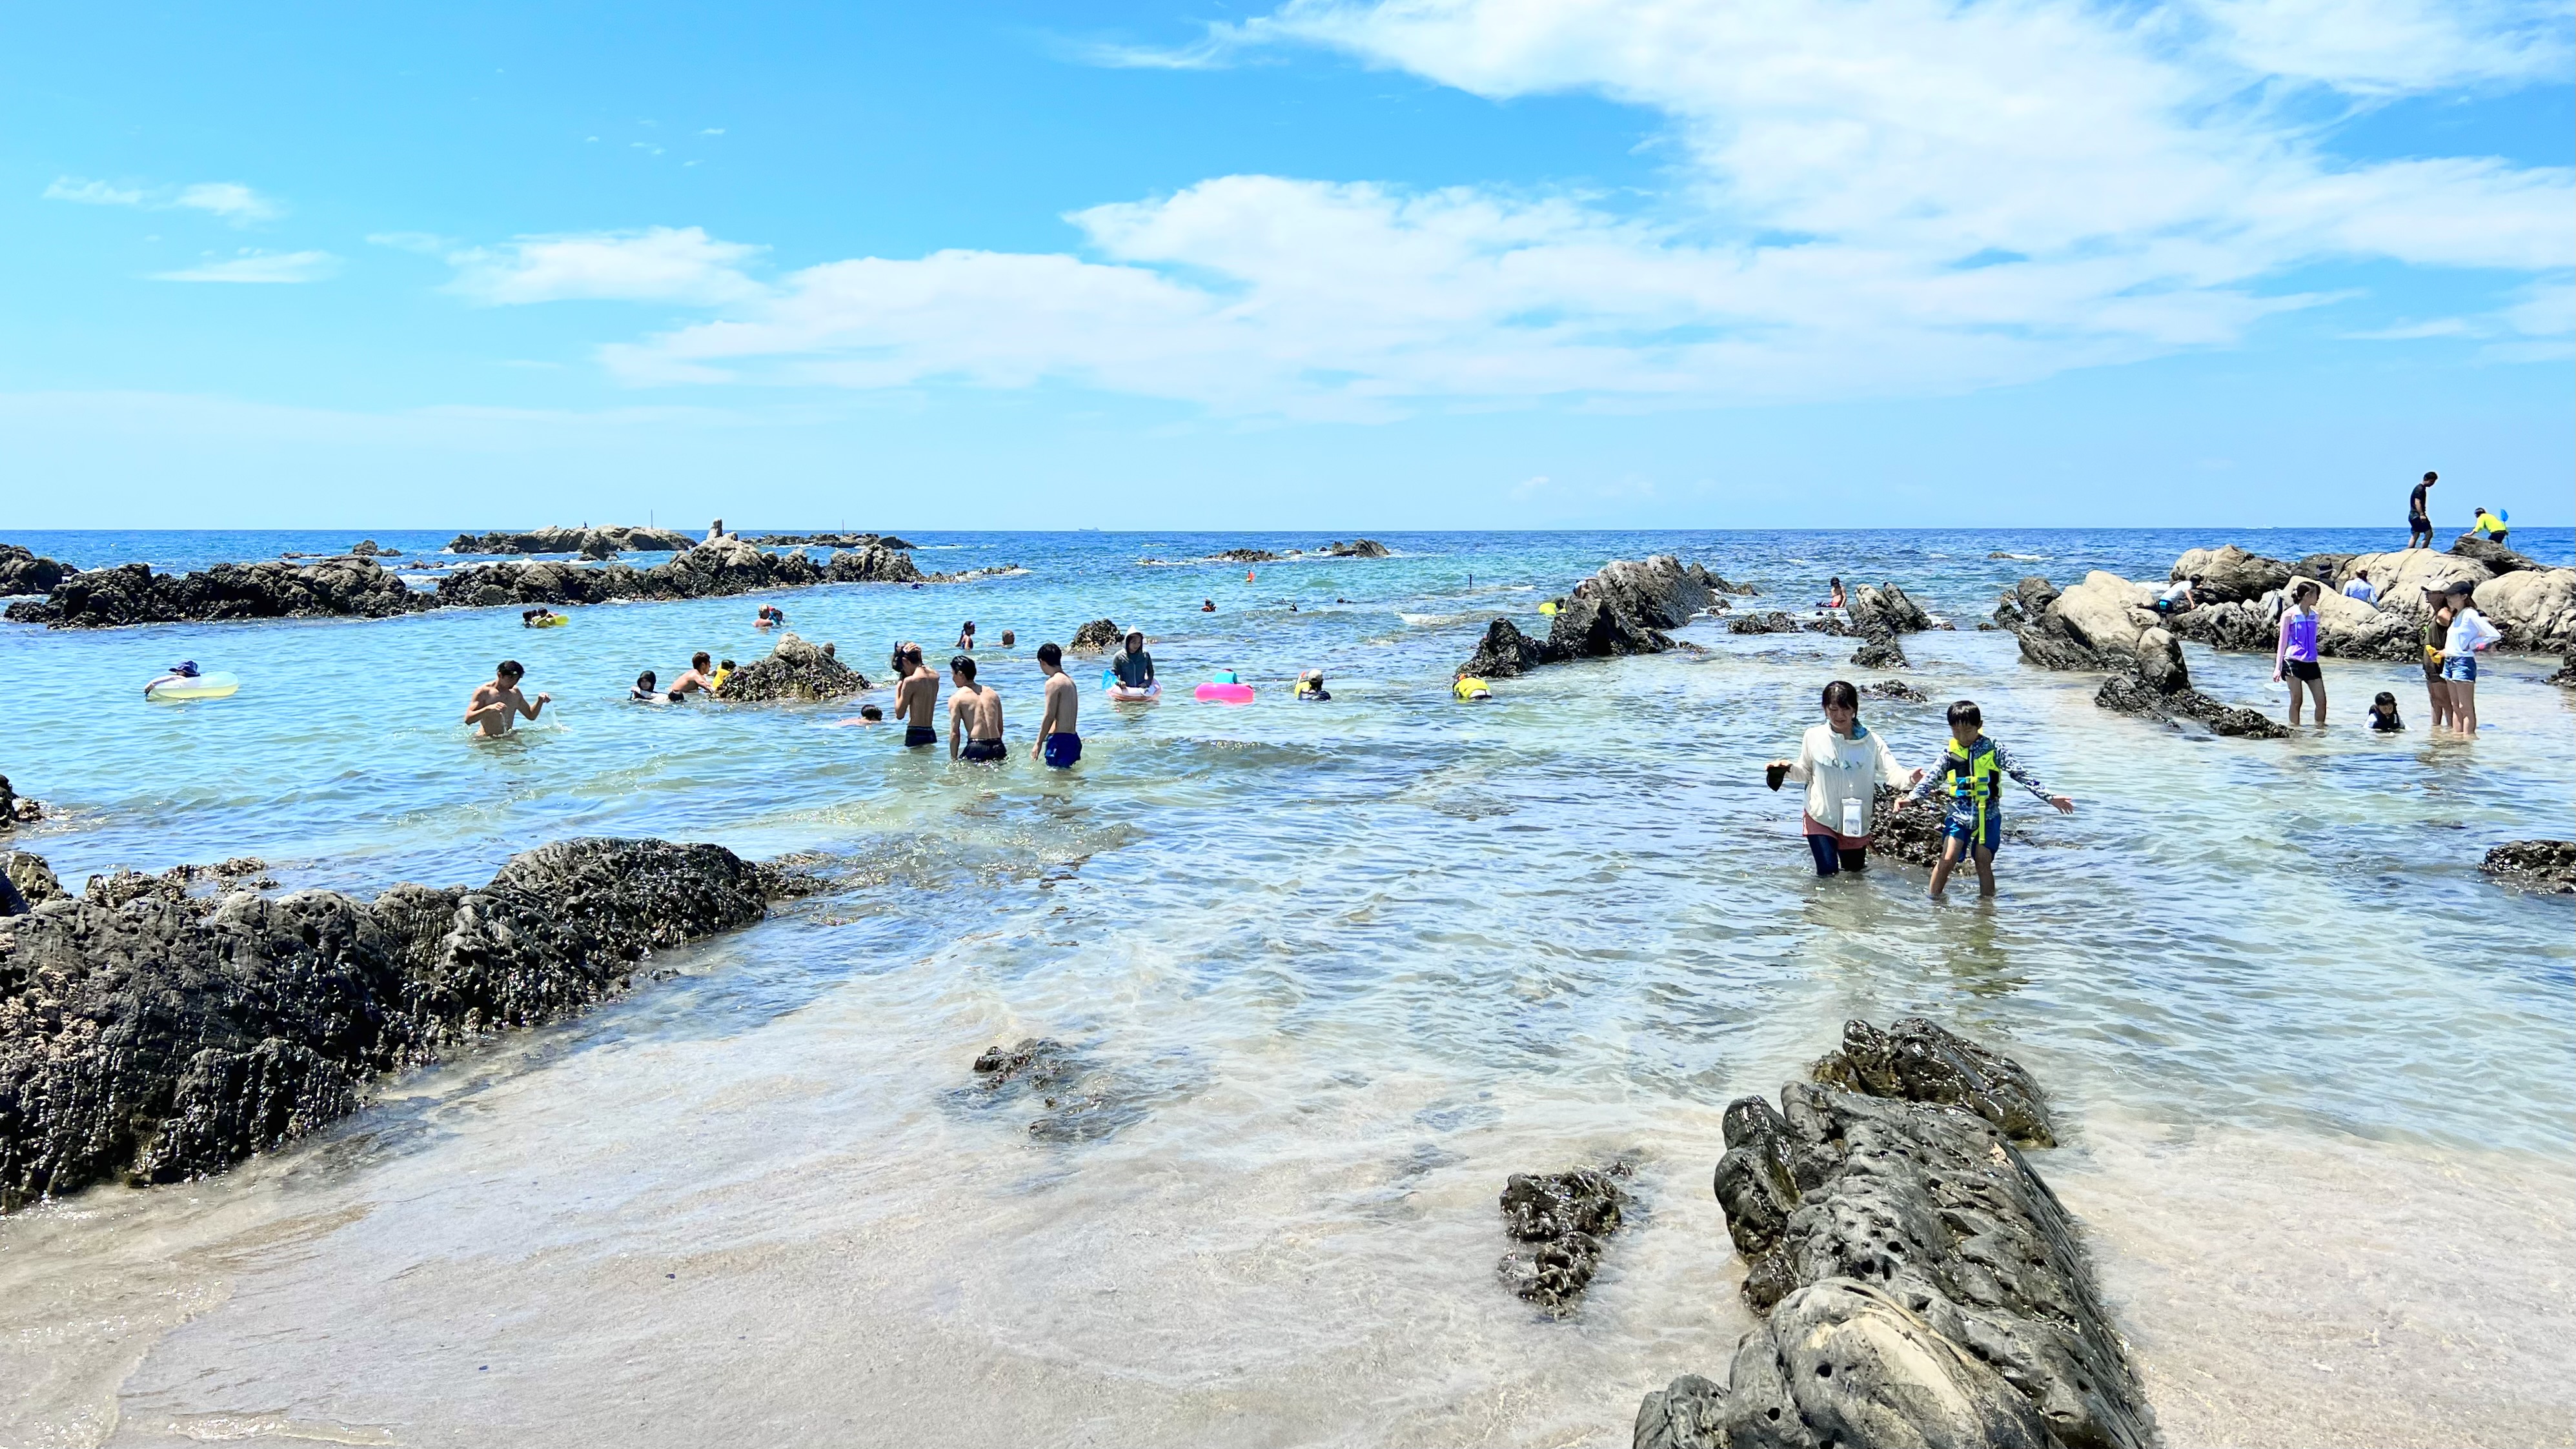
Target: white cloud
1874	196
263	267
657	264
230	200
426	243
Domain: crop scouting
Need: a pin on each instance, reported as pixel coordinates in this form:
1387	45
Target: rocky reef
165	1038
1563	1222
873	563
2547	867
2104	625
343	587
1077	1100
1356	548
1097	637
1772	622
833	540
1623	609
22	571
1920	1283
794	670
2240	592
587	542
1878	615
16	809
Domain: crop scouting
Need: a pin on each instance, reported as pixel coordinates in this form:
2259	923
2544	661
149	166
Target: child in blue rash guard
1971	774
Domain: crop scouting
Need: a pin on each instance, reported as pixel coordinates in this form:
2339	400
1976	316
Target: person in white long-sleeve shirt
1842	763
2470	632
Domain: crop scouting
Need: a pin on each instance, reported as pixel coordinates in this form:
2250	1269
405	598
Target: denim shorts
2460	668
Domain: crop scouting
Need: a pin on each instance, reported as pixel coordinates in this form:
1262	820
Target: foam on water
1346	967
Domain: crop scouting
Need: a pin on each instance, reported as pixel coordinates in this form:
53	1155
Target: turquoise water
1356	961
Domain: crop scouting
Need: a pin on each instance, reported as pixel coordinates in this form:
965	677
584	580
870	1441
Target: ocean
1350	965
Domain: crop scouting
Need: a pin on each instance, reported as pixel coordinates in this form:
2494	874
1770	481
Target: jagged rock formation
1878	615
1623	609
832	540
272	589
875	563
723	567
2545	866
1244	555
2347	628
22	571
2029	599
1563	1221
1922	1286
1097	637
2091	625
587	542
161	1039
1356	548
2229	575
1078	1101
1896	689
2497	558
2536	608
15	808
2565	678
1773	622
2130	694
794	670
1911	836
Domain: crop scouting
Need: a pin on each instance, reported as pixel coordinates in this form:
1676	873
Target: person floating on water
1207	606
2383	713
495	708
1310	687
1465	686
2490	524
1833	594
966	635
1010	639
2469	633
974	716
1842	764
184	669
698	679
916	698
2419	514
646	690
1132	667
536	618
770	617
2295	655
1971	773
1058	743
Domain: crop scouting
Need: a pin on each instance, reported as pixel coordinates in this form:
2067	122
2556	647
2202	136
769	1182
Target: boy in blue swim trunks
1058	744
1971	774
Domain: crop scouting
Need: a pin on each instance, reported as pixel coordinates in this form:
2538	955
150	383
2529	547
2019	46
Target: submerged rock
1097	637
161	1039
1623	609
1921	1285
1078	1101
794	670
1896	689
2546	866
1244	555
22	571
1564	1220
1773	622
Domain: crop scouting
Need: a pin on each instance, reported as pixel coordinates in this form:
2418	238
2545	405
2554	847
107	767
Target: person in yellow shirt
2492	525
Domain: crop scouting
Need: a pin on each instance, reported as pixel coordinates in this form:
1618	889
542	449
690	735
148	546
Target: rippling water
1354	963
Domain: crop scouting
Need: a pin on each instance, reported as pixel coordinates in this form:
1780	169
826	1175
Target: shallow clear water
1356	962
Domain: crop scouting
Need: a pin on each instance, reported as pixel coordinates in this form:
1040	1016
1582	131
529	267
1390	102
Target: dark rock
273	589
794	670
1505	652
1896	689
872	564
1879	650
31	882
1916	1061
1922	1286
1621	610
725	567
891	541
588	542
1078	1102
1356	548
829	540
2133	694
1886	607
2028	601
2325	568
1773	622
1911	836
157	1040
1564	1219
2230	575
23	572
1097	637
366	548
1243	555
2566	675
2546	866
1827	624
2497	557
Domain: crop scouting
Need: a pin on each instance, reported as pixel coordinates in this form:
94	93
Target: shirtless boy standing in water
974	717
1058	743
496	706
916	699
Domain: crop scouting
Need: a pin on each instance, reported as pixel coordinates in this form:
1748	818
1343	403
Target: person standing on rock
2470	632
1058	744
916	698
1842	764
2419	516
1972	771
974	717
495	708
2295	655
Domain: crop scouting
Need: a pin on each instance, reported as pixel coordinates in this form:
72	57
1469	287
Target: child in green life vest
1971	775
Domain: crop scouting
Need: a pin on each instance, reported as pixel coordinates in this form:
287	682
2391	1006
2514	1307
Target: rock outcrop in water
1921	1285
1772	622
723	567
875	563
833	540
2544	866
23	571
1097	637
1563	1221
16	809
344	587
1623	609
164	1039
2092	625
1077	1101
794	670
2029	599
587	542
1878	615
2533	605
1356	548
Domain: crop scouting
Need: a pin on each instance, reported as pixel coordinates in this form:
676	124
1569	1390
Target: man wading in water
1058	744
496	706
916	699
974	717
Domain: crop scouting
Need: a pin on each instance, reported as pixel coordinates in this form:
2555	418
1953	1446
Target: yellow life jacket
1975	785
1471	688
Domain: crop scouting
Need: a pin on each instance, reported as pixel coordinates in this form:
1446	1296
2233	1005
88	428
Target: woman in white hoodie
1842	763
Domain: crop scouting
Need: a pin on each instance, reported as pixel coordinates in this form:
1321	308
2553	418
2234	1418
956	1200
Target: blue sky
1426	263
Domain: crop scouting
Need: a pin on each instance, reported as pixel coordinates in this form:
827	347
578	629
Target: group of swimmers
974	713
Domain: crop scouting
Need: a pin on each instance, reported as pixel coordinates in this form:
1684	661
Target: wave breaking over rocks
166	1037
1921	1284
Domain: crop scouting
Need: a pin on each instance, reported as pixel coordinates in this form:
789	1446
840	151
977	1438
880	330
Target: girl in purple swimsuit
2296	655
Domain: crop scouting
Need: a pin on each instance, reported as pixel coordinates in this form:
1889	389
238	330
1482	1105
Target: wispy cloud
259	267
657	264
426	243
1219	47
229	200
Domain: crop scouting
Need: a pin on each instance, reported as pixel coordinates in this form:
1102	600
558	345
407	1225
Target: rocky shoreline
151	1035
357	587
1919	1282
